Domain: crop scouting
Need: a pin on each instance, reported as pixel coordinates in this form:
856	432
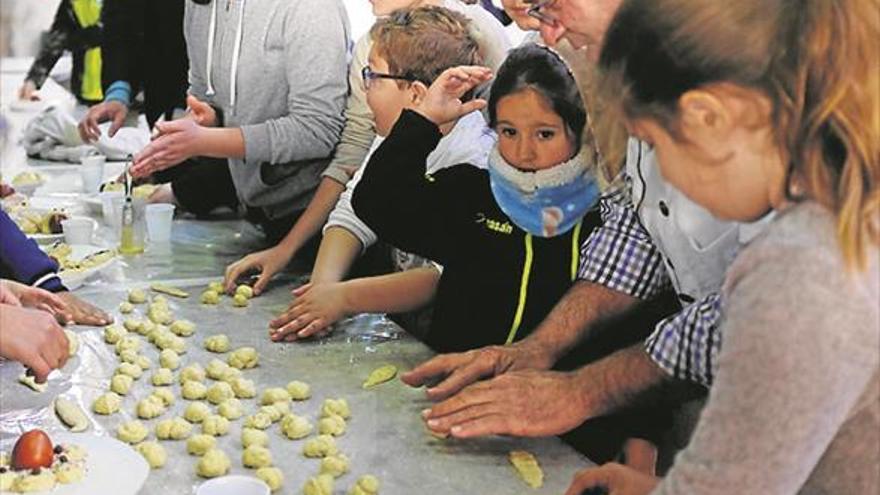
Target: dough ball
173	429
193	372
107	403
243	358
191	390
366	485
163	377
216	369
210	297
219	392
273	395
319	485
299	390
113	333
132	432
184	328
334	465
260	421
256	456
137	296
271	476
132	370
126	307
320	446
244	290
147	327
153	452
169	359
199	444
170	341
337	407
121	384
215	425
150	407
274	413
331	425
253	436
160	315
196	412
216	287
128	342
165	395
243	388
231	409
214	463
295	427
217	343
239	301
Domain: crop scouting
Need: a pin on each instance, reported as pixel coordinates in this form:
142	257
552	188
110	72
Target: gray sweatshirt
278	70
795	407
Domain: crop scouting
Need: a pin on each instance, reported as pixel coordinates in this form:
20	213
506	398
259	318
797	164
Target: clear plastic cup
111	206
78	230
92	172
159	219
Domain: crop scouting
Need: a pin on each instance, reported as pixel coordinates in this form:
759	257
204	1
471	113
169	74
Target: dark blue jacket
21	260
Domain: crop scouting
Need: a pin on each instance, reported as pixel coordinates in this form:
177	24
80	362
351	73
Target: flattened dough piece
366	485
196	412
132	432
244	358
217	343
380	375
150	407
107	403
295	427
163	377
71	414
214	463
320	446
173	429
299	390
319	485
273	395
272	476
153	452
331	425
338	407
334	465
31	383
215	425
253	436
527	468
256	456
192	390
170	290
200	444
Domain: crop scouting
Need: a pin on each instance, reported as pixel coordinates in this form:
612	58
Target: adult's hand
459	370
33	338
314	310
36	298
528	403
614	479
28	91
82	312
442	103
268	262
175	141
111	110
202	113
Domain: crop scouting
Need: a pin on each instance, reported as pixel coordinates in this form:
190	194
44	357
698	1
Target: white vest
696	246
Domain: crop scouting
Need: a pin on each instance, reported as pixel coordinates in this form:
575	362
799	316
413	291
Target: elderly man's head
581	22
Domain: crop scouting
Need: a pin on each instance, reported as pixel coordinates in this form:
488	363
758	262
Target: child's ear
706	121
418	90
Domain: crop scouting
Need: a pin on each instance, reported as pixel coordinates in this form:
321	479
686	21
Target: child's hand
613	479
175	142
269	262
442	103
34	339
314	310
36	298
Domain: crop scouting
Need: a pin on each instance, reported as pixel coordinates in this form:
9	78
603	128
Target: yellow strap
88	13
523	290
575	250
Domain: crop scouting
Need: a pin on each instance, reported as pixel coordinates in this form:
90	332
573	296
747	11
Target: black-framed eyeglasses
537	11
369	76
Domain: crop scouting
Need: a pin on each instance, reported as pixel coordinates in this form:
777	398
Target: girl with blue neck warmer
508	238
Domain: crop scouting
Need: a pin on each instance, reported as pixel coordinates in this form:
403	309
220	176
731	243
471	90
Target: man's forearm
314	217
620	380
339	249
574	316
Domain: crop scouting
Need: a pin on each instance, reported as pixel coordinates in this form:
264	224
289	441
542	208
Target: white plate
111	466
46	239
73	280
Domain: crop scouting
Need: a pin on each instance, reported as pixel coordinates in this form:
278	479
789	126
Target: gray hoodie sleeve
317	82
343	215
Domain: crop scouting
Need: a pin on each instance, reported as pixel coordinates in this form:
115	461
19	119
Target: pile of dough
214	463
295	427
210	297
130	369
239	301
113	333
199	444
184	328
67	473
527	468
107	403
153	453
32	384
273	395
169	359
253	436
137	296
243	388
320	446
150	407
243	358
334	465
260	421
272	476
256	456
331	425
380	375
163	377
173	429
217	343
132	432
299	390
126	307
215	425
337	407
121	384
165	395
319	485
219	392
196	412
231	409
191	390
366	485
193	372
43	480
71	415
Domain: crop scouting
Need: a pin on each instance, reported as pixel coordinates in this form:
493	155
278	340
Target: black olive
58	449
35	471
62	458
3	469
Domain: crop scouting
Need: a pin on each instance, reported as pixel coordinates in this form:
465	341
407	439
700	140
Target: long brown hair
818	61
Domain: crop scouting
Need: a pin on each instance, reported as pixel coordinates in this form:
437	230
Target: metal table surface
385	436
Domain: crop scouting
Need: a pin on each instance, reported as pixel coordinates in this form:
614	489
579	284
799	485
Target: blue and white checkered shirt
620	255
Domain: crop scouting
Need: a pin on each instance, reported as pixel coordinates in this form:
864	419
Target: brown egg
32	450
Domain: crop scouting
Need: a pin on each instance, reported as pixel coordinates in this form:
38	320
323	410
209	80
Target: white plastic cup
233	484
92	172
78	230
159	218
111	206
